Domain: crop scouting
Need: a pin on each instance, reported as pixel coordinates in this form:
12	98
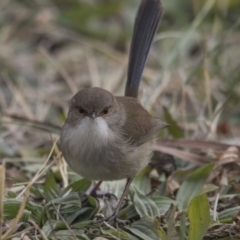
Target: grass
50	49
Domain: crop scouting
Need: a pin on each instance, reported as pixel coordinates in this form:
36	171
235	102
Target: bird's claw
108	195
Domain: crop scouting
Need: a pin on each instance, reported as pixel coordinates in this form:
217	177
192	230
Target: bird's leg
92	191
114	215
128	183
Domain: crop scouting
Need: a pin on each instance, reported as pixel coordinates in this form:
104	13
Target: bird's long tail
146	24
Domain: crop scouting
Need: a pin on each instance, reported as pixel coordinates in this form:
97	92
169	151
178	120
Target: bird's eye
81	110
105	110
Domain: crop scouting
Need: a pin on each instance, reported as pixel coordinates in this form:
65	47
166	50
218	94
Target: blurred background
50	49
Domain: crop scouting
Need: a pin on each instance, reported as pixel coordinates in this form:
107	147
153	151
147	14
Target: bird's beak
93	115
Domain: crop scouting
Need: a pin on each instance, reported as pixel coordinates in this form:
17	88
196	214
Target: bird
107	137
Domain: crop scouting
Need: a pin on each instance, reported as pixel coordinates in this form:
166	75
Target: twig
71	84
59	214
42	170
2	183
19	214
39	230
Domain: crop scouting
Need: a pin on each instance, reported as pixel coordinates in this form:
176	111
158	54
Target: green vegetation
50	49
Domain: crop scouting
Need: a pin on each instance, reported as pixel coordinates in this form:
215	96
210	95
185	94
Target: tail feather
146	24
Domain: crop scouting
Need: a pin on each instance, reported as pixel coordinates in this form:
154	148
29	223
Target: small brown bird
111	138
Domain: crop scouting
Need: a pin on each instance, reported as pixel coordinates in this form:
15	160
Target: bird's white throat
91	133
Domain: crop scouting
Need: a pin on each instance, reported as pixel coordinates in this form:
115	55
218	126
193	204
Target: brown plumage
142	126
111	138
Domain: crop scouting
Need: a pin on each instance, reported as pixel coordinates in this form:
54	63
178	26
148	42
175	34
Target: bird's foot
102	195
98	195
101	218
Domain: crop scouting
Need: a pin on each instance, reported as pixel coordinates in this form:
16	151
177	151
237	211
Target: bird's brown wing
140	126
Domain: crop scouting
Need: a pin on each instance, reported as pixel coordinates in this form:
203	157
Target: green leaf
100	238
173	129
72	199
52	225
82	214
209	188
69	207
160	230
118	233
81	224
51	189
81	186
69	235
93	202
170	217
163	203
128	212
142	181
183	228
145	228
144	205
11	210
193	186
228	213
11	207
199	217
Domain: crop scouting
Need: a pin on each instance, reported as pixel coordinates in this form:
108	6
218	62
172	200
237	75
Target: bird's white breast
84	146
90	134
94	151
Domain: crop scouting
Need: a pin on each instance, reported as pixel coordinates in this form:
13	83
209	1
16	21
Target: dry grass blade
62	166
19	214
159	89
68	227
187	156
19	98
2	194
34	123
207	87
51	49
26	190
228	162
95	78
231	155
21	233
41	171
70	82
39	230
102	47
196	144
219	231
